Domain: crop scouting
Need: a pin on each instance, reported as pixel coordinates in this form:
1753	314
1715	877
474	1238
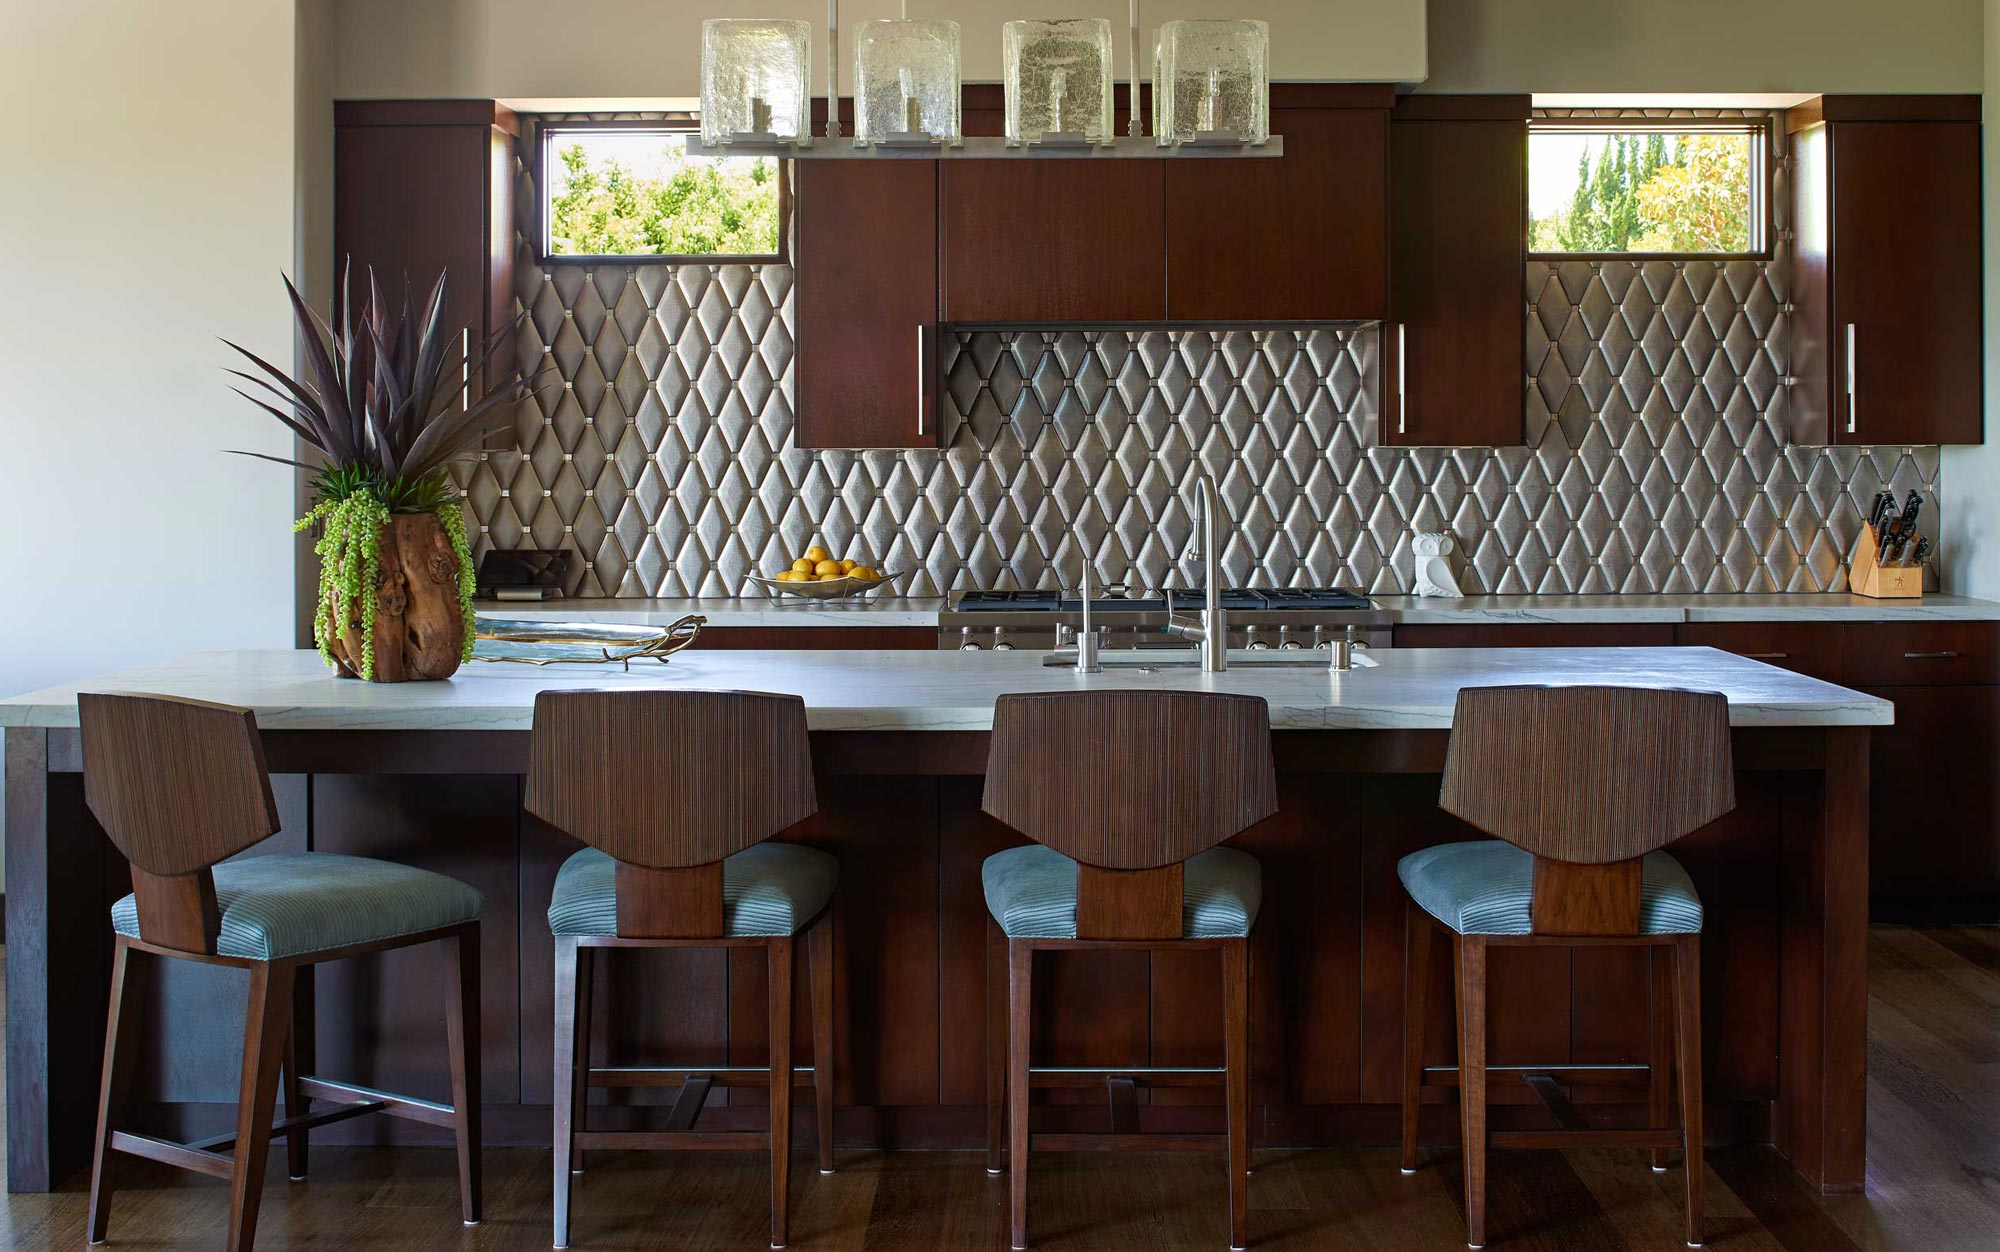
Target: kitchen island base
1783	880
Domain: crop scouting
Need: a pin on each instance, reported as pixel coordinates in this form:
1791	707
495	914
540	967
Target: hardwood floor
1933	1178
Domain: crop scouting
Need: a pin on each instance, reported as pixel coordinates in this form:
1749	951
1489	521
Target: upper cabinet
1886	331
1299	237
447	168
1053	240
1451	351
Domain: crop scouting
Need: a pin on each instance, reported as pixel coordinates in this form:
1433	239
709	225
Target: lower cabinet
1934	776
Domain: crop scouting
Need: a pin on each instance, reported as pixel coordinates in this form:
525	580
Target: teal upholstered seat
1483	888
767	889
1031	892
300	903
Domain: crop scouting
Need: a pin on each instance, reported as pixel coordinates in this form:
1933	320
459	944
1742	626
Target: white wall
148	153
1972	474
530	49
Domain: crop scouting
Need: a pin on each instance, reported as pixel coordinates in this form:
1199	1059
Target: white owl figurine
1435	576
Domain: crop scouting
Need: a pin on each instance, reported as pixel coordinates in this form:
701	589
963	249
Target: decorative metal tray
831	589
580	643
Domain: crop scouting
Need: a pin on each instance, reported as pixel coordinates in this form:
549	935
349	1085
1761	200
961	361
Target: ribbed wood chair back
1130	780
665	779
177	784
1589	775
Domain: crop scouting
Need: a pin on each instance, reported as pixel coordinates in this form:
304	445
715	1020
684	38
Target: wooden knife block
1867	576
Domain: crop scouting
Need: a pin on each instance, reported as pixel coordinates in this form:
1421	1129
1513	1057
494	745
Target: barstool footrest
304	1121
1085	1076
429	1112
167	1152
718	1075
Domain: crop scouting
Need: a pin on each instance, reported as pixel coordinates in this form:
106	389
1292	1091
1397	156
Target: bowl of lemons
823	576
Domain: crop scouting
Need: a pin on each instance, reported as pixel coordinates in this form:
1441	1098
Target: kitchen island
429	773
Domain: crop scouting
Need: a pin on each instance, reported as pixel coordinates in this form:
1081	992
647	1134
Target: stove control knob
1260	645
1291	645
1003	647
970	646
966	642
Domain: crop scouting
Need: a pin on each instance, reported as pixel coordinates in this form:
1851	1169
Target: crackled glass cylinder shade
754	76
906	82
1212	82
1058	77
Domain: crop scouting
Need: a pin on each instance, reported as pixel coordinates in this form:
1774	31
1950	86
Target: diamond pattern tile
659	445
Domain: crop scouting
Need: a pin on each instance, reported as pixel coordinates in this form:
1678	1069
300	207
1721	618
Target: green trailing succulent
377	401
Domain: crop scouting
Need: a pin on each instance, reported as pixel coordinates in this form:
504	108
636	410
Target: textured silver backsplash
659	444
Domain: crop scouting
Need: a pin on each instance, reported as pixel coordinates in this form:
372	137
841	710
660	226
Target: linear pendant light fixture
1211	90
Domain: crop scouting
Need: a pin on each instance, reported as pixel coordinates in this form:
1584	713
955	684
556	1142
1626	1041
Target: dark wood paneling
1928	654
1537	635
1934	806
1303	236
1811	648
1458	195
866	300
1052	241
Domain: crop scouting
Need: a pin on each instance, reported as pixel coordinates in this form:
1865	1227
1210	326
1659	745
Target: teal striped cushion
768	889
1484	888
1031	892
299	903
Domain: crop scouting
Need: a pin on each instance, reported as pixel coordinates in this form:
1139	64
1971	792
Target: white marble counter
734	611
1411	688
1412	610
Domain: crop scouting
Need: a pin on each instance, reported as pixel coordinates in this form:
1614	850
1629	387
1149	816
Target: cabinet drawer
1537	635
1809	648
1921	654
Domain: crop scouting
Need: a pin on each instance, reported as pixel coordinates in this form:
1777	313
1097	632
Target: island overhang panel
430	774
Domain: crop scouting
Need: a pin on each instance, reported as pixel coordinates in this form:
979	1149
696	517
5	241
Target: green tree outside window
1650	193
688	206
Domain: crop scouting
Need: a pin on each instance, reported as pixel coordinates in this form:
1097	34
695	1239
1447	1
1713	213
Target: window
1676	189
630	191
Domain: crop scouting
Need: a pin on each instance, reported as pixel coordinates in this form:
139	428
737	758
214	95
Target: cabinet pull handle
465	368
1930	656
1768	656
1402	379
920	378
1850	378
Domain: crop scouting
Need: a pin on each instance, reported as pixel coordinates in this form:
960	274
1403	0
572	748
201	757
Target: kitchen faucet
1211	630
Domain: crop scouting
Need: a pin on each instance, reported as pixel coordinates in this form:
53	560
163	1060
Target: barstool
179	785
676	793
1126	794
1583	785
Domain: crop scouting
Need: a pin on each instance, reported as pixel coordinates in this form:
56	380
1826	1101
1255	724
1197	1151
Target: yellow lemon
816	554
849	566
864	573
827	568
802	567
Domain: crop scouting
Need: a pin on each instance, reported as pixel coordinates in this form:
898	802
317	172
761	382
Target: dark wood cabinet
1934	805
421	186
1299	237
1536	635
1886	333
866	264
1451	352
1051	241
1809	648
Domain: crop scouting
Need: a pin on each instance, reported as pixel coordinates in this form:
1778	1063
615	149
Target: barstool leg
299	1043
121	1031
1660	1062
461	1021
1416	995
779	958
1236	1049
1687	1017
265	1028
586	987
996	1046
564	1085
819	962
1472	1081
1020	1013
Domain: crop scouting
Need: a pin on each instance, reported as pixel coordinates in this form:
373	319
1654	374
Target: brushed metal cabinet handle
1402	378
1768	656
920	378
1930	656
1851	406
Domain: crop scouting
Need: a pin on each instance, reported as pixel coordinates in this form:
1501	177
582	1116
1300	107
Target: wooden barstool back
178	785
669	783
1589	780
1130	784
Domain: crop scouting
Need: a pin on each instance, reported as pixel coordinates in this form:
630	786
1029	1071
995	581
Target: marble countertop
1493	610
1408	688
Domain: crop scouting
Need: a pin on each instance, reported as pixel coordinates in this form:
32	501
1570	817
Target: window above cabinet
1617	187
630	191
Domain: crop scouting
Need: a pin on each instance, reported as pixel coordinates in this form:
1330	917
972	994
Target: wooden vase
419	628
